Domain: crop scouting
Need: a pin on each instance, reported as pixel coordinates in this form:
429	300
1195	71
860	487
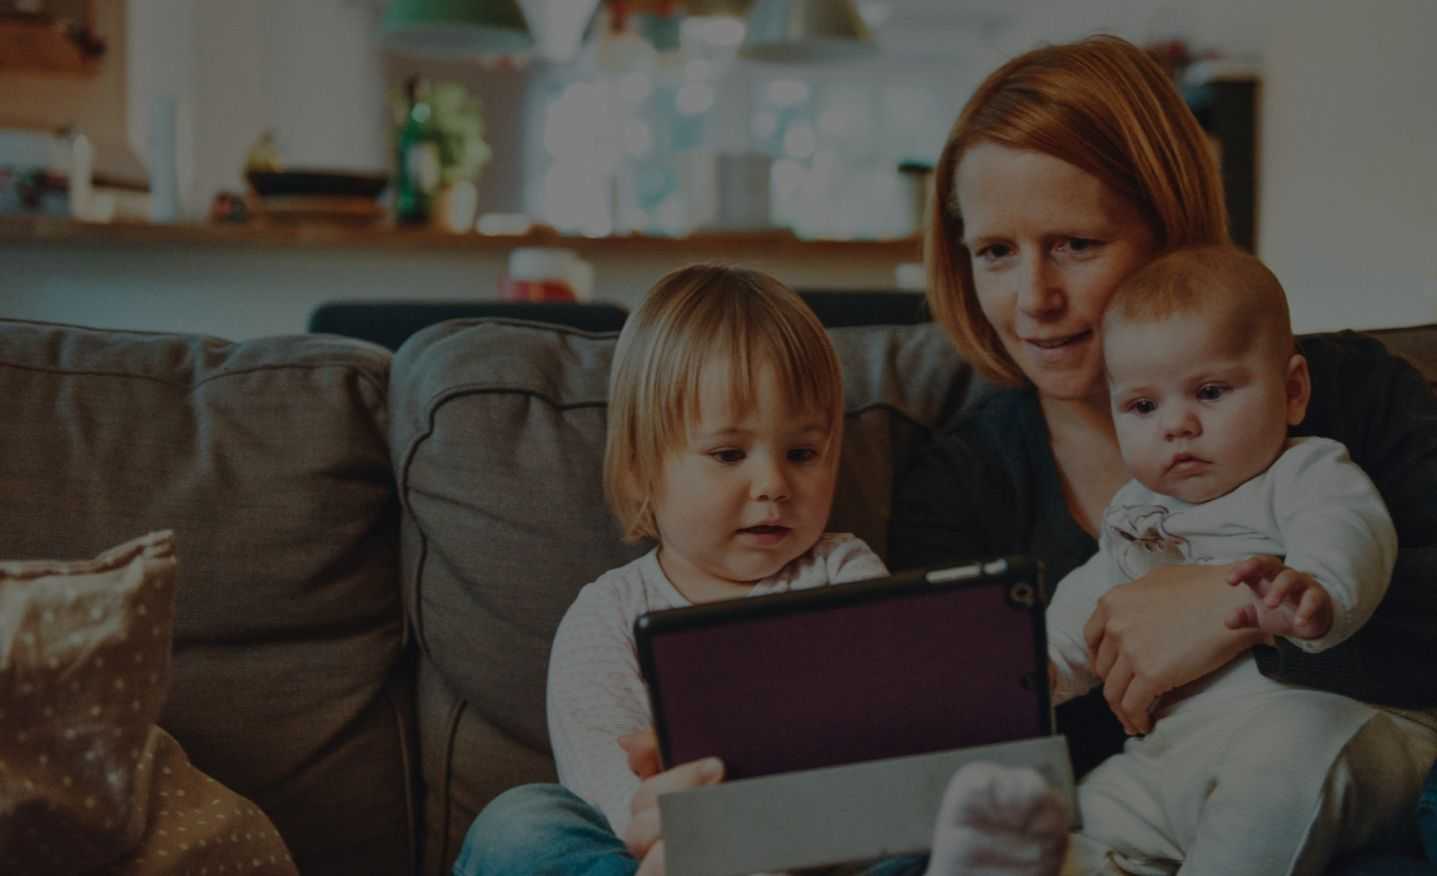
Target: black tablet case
913	663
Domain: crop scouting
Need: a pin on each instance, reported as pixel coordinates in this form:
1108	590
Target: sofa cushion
270	462
87	781
498	442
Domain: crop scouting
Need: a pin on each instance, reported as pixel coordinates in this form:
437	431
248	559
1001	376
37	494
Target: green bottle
418	168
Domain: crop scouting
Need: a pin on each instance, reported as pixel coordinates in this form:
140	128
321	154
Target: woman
1070	167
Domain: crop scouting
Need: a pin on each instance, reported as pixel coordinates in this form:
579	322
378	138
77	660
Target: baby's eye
1211	391
1142	406
727	456
802	454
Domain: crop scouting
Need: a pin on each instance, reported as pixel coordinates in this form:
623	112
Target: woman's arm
1386	414
1162	631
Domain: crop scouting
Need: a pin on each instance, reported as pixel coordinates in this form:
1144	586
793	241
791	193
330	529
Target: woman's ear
1298	386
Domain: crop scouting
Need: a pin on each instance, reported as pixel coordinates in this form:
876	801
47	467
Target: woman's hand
644	835
1160	632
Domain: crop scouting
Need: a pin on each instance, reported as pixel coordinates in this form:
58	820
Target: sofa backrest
269	459
498	441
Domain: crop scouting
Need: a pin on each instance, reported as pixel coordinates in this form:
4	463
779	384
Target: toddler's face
1197	412
749	492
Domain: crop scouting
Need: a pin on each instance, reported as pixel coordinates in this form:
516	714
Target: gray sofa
375	549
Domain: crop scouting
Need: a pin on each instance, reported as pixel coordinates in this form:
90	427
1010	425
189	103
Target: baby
1242	774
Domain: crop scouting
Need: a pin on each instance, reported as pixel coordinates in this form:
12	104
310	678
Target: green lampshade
798	31
456	28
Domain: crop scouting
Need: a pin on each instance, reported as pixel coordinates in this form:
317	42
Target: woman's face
1048	243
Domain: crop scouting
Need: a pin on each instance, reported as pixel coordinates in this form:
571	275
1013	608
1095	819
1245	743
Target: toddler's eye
1211	391
802	454
727	456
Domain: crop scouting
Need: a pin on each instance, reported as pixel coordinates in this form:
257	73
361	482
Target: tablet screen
910	664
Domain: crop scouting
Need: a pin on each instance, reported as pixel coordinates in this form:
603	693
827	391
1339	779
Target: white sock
999	821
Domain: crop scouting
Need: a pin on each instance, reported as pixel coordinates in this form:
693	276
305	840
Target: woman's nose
1040	292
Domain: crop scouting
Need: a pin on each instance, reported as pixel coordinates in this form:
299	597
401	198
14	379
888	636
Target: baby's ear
1298	387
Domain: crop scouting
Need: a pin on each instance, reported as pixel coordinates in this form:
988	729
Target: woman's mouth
1058	349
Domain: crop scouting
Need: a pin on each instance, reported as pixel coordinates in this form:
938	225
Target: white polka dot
89	802
95	711
48	711
26	688
141	610
54	662
70	733
44	759
119	684
23	736
99	660
67	781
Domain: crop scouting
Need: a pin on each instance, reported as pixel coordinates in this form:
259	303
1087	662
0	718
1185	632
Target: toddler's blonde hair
690	316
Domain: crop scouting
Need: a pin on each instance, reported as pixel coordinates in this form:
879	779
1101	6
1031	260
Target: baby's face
1197	411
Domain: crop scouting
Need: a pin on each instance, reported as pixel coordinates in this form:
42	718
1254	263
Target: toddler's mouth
765	529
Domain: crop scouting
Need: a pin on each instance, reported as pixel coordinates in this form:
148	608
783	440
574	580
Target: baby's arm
1285	602
1076	596
1336	530
596	695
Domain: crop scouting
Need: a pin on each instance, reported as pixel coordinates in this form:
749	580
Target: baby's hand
1285	602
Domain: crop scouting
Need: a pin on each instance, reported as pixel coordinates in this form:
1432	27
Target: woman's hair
1222	283
1103	105
746	320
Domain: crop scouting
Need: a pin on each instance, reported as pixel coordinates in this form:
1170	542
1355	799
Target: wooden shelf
331	236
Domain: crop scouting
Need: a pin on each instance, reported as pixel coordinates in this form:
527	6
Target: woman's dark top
990	486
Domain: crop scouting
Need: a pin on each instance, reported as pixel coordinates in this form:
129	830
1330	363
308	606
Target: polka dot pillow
87	781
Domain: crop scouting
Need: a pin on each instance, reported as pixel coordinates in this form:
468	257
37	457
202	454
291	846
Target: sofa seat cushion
498	440
269	460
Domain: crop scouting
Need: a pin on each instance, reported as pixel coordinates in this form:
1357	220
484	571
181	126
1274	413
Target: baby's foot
999	821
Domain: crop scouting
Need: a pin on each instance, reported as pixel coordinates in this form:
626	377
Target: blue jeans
544	830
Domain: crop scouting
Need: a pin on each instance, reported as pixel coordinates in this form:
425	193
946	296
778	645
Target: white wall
1347	192
1347	213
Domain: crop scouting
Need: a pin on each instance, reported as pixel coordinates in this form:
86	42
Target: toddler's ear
1298	386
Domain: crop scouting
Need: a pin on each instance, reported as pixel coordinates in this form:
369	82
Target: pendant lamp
455	29
800	31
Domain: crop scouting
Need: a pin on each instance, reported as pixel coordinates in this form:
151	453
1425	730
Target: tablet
912	663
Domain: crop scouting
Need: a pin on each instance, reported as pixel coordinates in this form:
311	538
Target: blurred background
199	165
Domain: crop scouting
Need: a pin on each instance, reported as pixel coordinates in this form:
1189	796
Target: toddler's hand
1285	602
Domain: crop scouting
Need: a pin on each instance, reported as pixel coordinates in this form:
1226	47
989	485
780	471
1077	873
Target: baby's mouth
765	529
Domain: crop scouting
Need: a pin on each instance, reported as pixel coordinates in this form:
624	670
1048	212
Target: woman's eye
993	252
1081	245
1211	391
728	457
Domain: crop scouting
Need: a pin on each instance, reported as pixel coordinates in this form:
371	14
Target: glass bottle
418	166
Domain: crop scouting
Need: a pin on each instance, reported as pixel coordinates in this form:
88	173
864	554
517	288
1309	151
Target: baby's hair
690	316
1219	281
